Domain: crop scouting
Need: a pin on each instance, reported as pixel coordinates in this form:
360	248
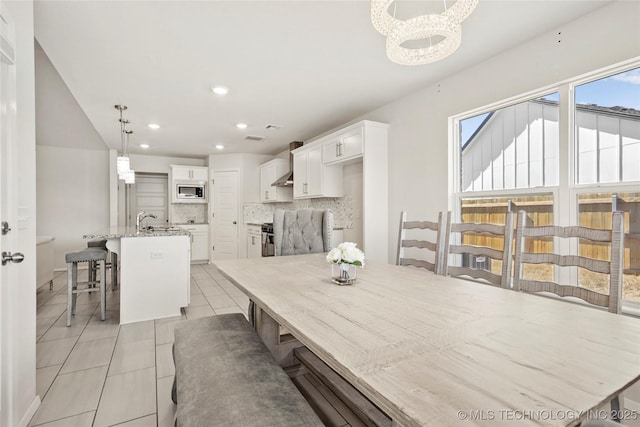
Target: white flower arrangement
346	253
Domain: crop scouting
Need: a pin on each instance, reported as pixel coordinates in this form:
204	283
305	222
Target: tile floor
102	374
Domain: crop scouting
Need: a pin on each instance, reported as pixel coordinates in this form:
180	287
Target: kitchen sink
152	228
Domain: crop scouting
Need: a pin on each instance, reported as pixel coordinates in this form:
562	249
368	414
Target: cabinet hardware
337	149
5	227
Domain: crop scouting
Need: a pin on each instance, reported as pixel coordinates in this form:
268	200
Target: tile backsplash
184	213
257	213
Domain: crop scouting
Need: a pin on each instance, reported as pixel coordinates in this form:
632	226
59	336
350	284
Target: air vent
254	138
272	127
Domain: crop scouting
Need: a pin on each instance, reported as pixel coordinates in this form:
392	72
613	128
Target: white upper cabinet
269	172
311	178
189	173
343	146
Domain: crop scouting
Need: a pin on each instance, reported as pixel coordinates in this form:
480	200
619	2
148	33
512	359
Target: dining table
434	350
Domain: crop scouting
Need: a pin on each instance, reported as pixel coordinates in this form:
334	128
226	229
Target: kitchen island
154	270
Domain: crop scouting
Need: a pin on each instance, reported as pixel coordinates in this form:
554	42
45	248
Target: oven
268	248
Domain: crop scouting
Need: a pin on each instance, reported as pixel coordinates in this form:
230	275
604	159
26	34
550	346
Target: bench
226	376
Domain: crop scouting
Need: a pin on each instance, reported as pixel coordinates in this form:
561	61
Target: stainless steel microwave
190	192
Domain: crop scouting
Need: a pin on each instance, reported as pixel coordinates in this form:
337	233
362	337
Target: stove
268	248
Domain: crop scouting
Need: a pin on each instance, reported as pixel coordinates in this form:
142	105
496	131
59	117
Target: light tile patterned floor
101	374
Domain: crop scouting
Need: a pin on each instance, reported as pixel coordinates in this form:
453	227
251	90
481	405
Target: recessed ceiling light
219	146
153	126
145	146
220	90
241	125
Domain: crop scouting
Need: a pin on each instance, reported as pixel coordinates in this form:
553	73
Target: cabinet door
299	173
199	247
330	150
267	176
314	171
199	173
351	144
343	147
181	173
254	245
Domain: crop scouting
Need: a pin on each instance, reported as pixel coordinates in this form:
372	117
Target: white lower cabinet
254	241
199	242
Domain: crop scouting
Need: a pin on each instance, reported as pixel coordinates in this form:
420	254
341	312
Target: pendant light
122	162
130	175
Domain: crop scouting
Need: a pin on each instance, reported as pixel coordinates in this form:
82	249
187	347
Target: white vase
343	274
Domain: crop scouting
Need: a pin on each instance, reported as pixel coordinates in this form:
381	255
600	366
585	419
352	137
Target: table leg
269	330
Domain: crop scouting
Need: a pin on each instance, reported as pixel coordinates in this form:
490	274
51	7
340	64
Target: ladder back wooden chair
434	245
455	245
527	235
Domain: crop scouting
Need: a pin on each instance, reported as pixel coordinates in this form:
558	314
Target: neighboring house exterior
517	147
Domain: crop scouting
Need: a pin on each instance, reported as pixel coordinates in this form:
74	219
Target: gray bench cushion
226	376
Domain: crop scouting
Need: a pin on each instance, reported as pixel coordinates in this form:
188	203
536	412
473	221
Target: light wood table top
431	350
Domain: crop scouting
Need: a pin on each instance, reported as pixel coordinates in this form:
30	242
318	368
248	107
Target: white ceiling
308	66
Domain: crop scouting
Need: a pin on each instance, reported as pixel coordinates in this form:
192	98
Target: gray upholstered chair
303	231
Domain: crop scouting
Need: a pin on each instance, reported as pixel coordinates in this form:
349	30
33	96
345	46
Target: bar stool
93	255
113	265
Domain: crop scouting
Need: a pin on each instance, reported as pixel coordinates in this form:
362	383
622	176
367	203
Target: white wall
20	401
418	133
72	196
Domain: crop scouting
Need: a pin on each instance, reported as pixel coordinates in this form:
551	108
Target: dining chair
527	236
457	245
424	245
302	231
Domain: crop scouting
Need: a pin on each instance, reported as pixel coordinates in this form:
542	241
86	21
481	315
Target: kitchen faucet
142	215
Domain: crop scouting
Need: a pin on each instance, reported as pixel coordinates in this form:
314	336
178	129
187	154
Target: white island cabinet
154	271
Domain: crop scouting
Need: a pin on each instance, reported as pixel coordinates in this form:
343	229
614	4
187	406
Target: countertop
131	231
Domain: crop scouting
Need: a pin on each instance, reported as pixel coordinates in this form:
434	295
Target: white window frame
565	194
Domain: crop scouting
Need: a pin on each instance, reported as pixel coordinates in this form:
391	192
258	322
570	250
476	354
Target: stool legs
114	271
72	286
70	282
103	289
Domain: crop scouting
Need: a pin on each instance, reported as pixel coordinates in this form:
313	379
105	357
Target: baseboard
24	422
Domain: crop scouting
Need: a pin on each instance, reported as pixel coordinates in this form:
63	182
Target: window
510	154
594	211
607	120
512	147
493	210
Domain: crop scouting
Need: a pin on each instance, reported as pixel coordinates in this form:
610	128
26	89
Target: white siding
516	148
600	139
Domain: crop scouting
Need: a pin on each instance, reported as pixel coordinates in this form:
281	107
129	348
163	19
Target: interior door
225	215
8	216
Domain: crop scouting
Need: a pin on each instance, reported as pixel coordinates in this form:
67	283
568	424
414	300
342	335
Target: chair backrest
483	255
527	235
302	231
434	245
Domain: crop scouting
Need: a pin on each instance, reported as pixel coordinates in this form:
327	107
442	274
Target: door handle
9	257
235	222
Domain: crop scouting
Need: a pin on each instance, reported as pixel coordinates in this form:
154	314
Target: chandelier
123	163
445	27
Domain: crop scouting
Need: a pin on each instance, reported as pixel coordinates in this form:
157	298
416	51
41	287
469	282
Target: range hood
286	180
